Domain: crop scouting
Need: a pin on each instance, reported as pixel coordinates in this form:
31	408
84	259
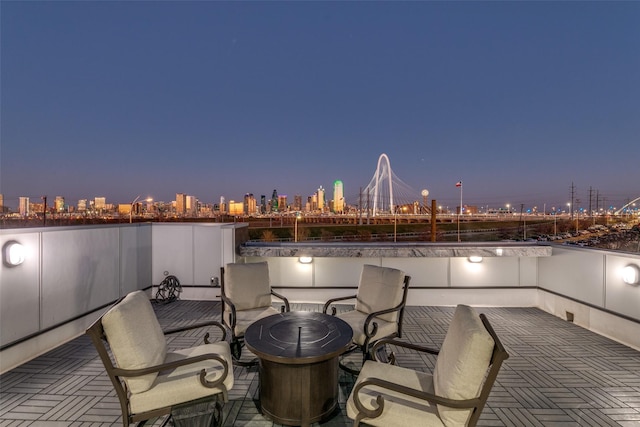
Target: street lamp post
148	199
295	227
395	222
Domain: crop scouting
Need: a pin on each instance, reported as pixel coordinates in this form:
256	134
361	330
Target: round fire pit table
298	353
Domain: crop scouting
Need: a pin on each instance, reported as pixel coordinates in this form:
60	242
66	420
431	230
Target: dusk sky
516	99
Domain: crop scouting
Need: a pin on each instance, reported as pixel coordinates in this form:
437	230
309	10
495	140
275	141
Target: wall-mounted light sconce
13	253
499	251
305	260
631	274
475	259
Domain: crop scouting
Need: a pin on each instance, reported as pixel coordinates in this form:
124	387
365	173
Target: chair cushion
248	285
356	319
245	318
380	288
399	409
462	362
183	384
135	338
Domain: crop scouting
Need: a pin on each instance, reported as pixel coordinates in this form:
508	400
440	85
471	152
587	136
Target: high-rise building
100	203
297	202
59	204
282	203
24	206
263	204
191	206
338	196
249	204
274	201
321	199
181	204
223	205
82	205
1	203
312	201
235	208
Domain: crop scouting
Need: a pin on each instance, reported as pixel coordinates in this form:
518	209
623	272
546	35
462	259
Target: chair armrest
332	300
375	314
397	388
200	325
172	365
283	298
232	316
404	344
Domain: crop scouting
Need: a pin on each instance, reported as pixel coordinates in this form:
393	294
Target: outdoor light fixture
631	274
499	251
305	260
475	258
13	253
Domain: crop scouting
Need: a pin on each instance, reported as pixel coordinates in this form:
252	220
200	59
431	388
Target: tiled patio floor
558	375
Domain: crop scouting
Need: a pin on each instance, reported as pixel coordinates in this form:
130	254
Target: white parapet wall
71	275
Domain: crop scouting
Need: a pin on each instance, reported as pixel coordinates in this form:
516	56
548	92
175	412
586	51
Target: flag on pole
459	184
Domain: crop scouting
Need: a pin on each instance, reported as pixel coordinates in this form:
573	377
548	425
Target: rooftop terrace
580	372
558	374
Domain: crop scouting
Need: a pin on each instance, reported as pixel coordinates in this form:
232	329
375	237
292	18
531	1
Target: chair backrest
135	338
380	288
247	285
467	365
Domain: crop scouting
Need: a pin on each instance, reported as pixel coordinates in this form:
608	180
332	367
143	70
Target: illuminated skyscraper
321	198
338	196
274	201
100	203
59	204
235	208
24	206
191	206
282	203
181	204
249	204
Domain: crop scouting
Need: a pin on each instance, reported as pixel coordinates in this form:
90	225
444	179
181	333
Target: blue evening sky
516	99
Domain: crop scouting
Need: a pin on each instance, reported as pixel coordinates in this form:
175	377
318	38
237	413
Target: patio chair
379	308
454	394
149	379
246	297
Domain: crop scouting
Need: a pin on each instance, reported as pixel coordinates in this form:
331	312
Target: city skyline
519	100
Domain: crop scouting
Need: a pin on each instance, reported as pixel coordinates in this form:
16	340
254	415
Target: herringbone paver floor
558	374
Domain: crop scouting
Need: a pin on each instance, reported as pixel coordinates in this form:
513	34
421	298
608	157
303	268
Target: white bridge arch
619	211
385	193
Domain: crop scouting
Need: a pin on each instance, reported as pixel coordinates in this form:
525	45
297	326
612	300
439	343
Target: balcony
571	324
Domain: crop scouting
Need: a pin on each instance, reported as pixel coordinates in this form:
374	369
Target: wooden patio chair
246	297
379	308
150	380
454	394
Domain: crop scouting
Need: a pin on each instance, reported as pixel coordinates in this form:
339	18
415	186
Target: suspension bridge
387	194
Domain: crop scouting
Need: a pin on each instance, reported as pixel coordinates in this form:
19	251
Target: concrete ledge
394	250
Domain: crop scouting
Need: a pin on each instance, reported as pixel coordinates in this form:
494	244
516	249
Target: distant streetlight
148	200
425	194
